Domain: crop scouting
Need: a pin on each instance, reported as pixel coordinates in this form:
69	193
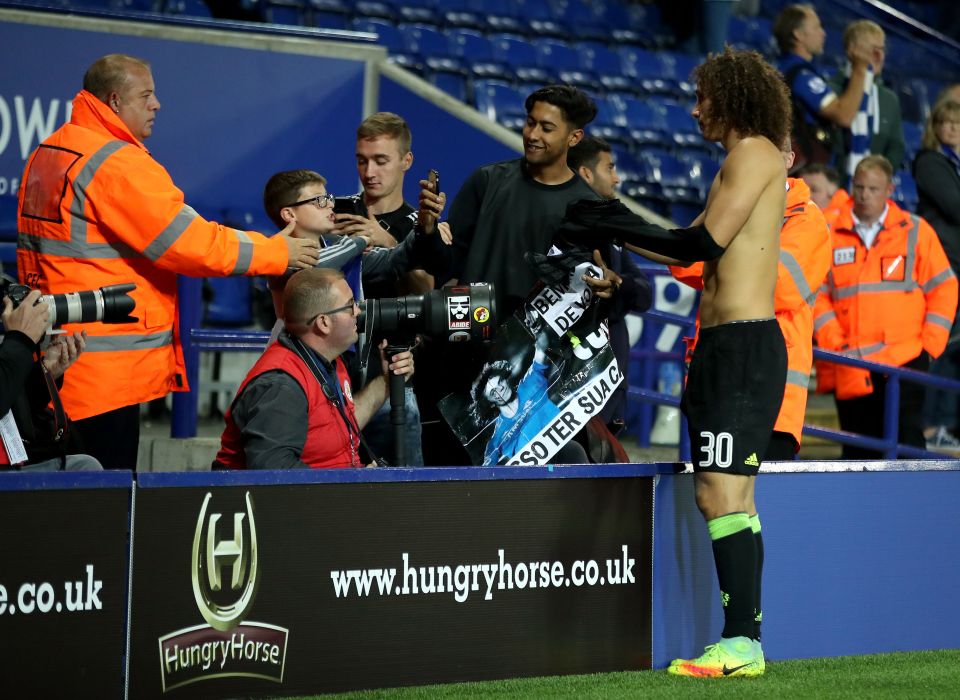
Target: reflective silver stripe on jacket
78	246
113	343
799	279
938	320
171	234
798	378
244	254
823	320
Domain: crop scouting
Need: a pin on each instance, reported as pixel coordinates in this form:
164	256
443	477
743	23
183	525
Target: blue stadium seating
905	193
475	52
419	12
566	63
392	38
375	9
606	64
645	121
291	12
912	134
500	102
518	52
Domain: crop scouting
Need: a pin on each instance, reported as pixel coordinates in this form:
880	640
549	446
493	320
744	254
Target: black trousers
112	437
864	414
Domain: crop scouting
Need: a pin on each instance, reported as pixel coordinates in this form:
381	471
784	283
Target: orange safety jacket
840	201
885	304
96	209
804	262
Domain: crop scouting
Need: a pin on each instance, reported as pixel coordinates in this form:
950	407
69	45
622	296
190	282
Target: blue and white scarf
865	124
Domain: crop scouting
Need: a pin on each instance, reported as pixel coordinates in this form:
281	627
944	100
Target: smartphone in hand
433	177
345	205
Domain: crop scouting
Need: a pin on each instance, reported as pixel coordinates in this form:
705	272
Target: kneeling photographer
34	437
296	408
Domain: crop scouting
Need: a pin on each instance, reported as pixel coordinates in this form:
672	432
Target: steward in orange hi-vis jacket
888	303
804	262
96	209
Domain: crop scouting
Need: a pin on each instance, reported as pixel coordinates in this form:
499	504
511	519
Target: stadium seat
644	121
606	65
191	8
517	51
566	62
368	9
475	52
501	102
288	12
752	33
680	67
389	36
543	20
431	45
683	213
328	14
584	20
419	11
610	123
912	135
455	85
624	25
680	124
229	303
905	193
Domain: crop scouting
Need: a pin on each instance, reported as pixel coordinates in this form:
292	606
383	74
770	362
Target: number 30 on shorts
718	449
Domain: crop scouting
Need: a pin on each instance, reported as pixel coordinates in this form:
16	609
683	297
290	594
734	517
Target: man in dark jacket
592	159
32	437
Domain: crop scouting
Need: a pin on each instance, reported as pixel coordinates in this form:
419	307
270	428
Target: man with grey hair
96	209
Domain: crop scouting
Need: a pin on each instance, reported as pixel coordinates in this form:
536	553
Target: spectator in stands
592	159
937	172
817	109
825	189
890	297
503	211
878	126
384	156
35	437
296	408
96	209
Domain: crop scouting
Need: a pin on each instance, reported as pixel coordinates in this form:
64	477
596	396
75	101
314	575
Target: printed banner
551	369
279	590
63	585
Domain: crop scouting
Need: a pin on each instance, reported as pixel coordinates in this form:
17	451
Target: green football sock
735	555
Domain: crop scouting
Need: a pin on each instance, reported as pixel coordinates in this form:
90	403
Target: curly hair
482	410
746	94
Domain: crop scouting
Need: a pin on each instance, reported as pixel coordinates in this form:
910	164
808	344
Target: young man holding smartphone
381	215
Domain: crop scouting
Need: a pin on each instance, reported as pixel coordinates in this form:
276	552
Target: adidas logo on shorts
752	460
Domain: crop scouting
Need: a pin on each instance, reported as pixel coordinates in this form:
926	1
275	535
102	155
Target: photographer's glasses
350	306
321	201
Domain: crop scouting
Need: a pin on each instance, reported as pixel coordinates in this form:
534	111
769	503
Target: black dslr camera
110	304
455	314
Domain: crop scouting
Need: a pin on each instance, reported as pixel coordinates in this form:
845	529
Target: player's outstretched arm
745	174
